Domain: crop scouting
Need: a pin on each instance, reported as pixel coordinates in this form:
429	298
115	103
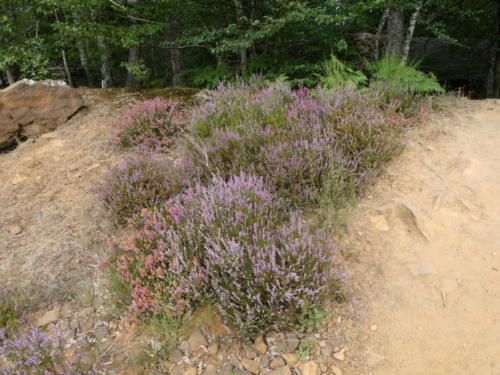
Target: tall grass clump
151	125
137	182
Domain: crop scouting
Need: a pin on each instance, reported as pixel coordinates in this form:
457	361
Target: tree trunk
176	61
66	68
84	62
10	75
133	58
380	29
497	55
106	79
243	51
409	33
395	32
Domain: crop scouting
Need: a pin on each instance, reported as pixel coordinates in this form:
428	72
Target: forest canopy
157	43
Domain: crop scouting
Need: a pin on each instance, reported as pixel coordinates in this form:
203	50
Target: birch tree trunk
395	32
243	51
176	54
10	75
106	80
66	68
84	62
378	34
410	32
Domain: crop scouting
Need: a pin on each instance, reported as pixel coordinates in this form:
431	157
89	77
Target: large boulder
29	108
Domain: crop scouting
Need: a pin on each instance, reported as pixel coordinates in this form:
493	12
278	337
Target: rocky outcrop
29	108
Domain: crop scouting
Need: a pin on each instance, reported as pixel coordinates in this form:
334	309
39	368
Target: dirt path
429	264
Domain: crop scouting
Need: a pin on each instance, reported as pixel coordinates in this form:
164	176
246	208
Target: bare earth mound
428	258
50	234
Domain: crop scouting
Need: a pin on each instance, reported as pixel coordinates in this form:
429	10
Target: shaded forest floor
423	247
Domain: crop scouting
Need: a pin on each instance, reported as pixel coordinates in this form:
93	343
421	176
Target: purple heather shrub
137	182
299	141
162	264
270	279
151	125
35	353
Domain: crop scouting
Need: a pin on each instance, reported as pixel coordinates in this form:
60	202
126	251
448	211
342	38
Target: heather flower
35	352
136	183
151	125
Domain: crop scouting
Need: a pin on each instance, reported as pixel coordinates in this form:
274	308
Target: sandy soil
50	231
428	258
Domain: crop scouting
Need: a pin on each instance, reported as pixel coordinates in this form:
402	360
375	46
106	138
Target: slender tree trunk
176	61
410	32
176	54
497	56
380	29
243	51
395	32
133	58
106	79
66	68
84	62
10	75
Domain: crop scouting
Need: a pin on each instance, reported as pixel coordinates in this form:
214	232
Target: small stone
260	345
322	343
276	362
373	359
196	341
336	370
326	351
290	358
373	327
15	229
292	342
323	367
190	371
250	352
264	361
340	355
49	317
213	348
226	369
250	365
18	179
380	223
177	370
285	370
308	368
210	370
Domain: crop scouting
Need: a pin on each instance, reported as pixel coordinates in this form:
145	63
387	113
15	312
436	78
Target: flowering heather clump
297	140
270	278
138	182
35	353
151	125
163	263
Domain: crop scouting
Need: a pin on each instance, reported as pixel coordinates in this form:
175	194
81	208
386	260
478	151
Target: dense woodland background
157	43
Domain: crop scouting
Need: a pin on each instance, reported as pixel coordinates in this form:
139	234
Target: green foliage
311	319
305	349
336	74
397	79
